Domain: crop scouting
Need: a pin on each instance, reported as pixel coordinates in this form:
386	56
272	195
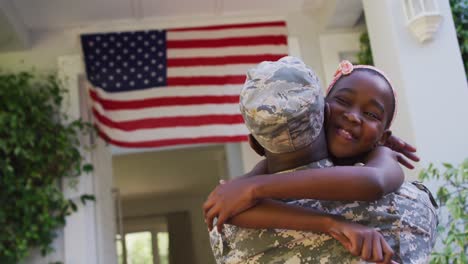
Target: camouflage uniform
406	218
283	108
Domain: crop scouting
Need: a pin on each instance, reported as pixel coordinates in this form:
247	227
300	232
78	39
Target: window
163	247
143	248
139	248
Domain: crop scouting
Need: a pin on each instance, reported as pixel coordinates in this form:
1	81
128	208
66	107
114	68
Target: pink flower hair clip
345	67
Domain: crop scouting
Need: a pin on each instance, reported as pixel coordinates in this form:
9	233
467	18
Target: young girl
361	106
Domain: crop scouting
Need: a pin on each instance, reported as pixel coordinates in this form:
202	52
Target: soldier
283	108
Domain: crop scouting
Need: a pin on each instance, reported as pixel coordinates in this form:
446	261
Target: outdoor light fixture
422	17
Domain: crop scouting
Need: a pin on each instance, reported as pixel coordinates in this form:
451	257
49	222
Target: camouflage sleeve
406	219
243	245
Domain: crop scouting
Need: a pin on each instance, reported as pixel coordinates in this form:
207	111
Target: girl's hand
227	200
403	149
364	242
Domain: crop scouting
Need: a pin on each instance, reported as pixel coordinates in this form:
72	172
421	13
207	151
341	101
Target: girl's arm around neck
381	175
390	174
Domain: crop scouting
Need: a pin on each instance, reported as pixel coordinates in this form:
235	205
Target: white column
79	233
429	79
249	157
89	233
240	158
105	221
233	159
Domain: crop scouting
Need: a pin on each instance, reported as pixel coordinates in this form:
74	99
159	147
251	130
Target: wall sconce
422	17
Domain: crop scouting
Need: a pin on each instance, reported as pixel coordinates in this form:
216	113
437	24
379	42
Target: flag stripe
174	141
163	92
245	25
205	80
179	121
170	132
240	59
109	104
167	111
217	34
220	70
226	42
227	51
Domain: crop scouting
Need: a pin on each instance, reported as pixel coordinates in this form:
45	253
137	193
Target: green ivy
452	196
460	18
39	146
365	53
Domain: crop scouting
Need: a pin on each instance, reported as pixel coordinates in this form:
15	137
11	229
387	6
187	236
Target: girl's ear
256	146
386	134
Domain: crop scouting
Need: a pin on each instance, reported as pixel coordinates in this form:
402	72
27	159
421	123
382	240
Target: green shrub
452	197
38	148
365	53
460	18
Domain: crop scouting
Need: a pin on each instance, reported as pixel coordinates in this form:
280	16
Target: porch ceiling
26	15
53	14
346	13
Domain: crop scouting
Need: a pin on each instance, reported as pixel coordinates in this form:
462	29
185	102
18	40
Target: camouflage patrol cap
282	105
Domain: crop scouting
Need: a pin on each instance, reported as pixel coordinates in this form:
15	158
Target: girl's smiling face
361	106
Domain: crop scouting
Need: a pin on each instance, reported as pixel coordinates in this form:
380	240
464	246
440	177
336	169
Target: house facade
149	189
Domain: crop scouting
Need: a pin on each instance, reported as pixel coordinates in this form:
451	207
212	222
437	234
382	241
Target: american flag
161	88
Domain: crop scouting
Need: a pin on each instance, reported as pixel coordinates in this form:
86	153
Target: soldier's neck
286	161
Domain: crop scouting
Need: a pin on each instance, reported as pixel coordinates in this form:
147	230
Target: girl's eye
341	100
372	115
